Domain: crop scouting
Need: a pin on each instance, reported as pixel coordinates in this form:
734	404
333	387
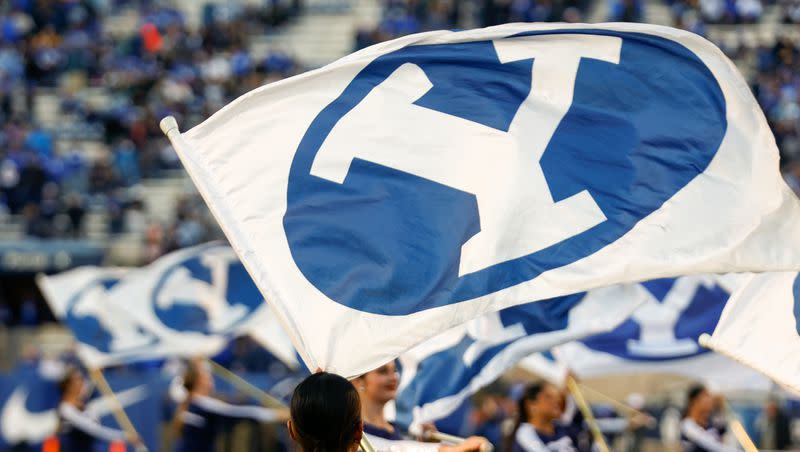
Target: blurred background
87	177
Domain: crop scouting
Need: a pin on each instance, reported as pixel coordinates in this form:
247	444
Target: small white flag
188	303
760	327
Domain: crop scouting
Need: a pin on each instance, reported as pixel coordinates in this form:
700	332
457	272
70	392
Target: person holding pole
539	426
326	416
377	388
78	431
199	416
698	433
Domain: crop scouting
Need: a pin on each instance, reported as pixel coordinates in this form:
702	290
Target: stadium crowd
160	67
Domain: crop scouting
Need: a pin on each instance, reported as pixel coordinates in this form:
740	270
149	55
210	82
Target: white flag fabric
760	327
662	337
426	181
546	367
188	303
439	374
104	334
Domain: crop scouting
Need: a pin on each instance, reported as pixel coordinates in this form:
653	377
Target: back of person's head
325	414
693	393
70	382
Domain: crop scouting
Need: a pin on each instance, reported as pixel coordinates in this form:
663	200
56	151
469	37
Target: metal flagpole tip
168	124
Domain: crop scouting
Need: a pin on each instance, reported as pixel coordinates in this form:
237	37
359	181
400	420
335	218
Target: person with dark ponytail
78	431
199	416
538	427
698	433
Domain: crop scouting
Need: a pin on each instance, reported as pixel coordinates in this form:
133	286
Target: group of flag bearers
547	417
327	308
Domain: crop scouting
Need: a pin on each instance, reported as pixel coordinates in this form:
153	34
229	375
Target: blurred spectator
626	11
791	11
489	413
154	242
75	212
29	312
403	17
125	163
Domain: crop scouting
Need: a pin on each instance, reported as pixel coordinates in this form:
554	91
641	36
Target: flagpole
452	439
741	435
245	386
96	374
599	439
366	446
617	404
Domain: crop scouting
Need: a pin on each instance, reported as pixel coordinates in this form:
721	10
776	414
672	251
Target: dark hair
531	393
63	384
326	413
191	375
692	394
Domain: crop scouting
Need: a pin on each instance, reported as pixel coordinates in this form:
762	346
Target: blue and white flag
760	327
545	366
439	374
187	303
662	337
423	182
104	334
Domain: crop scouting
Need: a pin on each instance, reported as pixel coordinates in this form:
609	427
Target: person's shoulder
381	432
690	424
65	407
527	438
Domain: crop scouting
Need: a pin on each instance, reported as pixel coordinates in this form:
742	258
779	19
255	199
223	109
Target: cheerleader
698	433
199	417
78	431
544	424
377	388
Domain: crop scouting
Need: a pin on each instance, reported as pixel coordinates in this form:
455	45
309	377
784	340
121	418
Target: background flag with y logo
760	327
104	334
439	374
662	337
187	303
423	182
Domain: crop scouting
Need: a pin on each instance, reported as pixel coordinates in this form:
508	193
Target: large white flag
661	337
760	327
425	181
187	303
